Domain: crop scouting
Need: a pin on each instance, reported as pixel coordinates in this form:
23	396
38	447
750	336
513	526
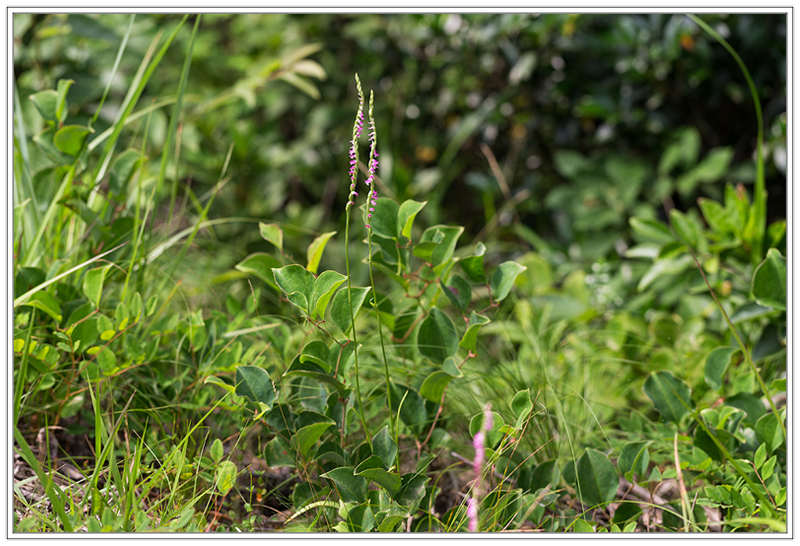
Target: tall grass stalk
756	224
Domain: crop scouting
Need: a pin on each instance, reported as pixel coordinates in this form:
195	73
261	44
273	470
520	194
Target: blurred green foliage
535	89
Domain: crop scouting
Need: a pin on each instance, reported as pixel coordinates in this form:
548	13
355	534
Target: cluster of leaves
310	408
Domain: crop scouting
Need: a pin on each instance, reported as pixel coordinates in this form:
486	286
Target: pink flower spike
472	514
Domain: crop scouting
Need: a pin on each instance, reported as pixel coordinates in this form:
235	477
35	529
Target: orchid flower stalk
372	202
358	127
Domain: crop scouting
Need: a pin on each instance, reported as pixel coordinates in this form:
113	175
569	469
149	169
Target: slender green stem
353	320
742	346
380	336
756	222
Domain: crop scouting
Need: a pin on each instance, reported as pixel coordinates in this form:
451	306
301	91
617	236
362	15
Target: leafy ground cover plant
172	374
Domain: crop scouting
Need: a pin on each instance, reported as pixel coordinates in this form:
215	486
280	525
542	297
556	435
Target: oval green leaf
437	338
717	362
255	384
503	279
596	478
671	396
315	249
769	281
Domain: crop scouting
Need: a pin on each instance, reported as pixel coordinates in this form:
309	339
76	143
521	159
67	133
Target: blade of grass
92	483
173	124
55	497
121	50
221	182
134	92
19	386
136	217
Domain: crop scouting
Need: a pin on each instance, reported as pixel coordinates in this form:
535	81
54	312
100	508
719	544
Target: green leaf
271	233
653	229
331	451
663	267
433	386
255	384
748	403
684	228
769	468
459	292
437	338
671	396
769	281
473	265
315	249
717	362
46	103
445	242
394	514
711	169
412	411
297	283
311	428
627	511
341	357
340	307
383	446
503	279
47	303
597	479
93	284
45	142
70	138
470	339
214	380
372	469
768	432
225	476
569	163
122	171
406	214
522	405
351	488
424	251
384	219
324	288
318	353
301	83
260	264
717	217
217	451
413	490
634	457
494	436
279	453
543	475
582	526
61	100
315	372
760	456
